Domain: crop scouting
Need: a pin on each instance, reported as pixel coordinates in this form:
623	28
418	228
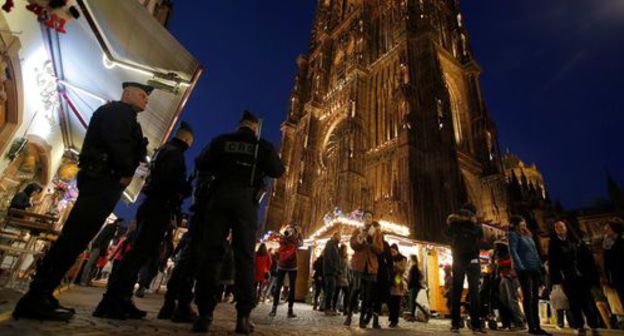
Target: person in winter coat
613	245
466	235
344	279
398	287
367	244
317	277
414	285
570	269
331	271
509	304
383	284
290	241
528	265
263	263
23	199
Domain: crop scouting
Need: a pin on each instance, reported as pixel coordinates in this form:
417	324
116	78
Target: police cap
147	88
248	116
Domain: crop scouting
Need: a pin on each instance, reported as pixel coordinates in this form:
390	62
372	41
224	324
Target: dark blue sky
553	77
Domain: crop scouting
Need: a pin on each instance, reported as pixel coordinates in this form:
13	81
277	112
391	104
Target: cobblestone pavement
308	322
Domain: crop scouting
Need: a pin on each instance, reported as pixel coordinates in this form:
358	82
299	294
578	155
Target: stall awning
113	42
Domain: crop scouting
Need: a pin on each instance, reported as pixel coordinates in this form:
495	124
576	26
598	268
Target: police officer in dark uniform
112	149
233	166
165	189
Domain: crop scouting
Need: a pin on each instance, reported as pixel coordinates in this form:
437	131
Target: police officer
165	189
238	162
112	149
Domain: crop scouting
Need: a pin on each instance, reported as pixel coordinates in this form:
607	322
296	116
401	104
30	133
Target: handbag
558	299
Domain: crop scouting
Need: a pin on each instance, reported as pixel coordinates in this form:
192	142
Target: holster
95	165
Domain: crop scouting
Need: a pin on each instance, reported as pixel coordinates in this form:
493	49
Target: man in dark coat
466	235
234	166
112	150
331	270
165	189
99	245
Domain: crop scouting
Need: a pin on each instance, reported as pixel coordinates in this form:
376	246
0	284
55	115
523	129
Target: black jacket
115	139
331	259
317	268
570	260
613	262
167	179
230	158
415	277
465	235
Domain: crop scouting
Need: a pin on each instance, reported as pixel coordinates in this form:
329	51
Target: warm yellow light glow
386	226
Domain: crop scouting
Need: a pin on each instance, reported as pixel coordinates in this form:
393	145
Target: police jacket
230	158
167	179
114	143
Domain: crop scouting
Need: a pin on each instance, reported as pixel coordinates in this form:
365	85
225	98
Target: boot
243	325
58	305
132	311
29	307
110	308
347	321
202	324
273	311
376	324
291	313
167	310
363	322
184	314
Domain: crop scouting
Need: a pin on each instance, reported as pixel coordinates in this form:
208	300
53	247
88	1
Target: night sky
553	78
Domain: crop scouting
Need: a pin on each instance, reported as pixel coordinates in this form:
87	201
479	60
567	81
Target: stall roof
114	42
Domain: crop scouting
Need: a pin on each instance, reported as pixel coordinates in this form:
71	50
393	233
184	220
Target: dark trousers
96	201
394	307
461	269
318	289
530	282
292	280
581	303
364	286
153	219
345	297
413	302
231	208
182	278
330	289
149	271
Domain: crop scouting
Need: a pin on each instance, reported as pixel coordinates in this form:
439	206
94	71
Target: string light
386	226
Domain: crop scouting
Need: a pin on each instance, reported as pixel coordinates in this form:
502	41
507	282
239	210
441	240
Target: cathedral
387	114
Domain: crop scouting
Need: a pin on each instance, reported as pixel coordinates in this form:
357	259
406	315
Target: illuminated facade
387	114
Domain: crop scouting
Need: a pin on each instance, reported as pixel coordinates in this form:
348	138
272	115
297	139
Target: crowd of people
217	257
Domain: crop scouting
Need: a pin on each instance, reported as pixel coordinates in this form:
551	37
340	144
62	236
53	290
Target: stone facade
387	114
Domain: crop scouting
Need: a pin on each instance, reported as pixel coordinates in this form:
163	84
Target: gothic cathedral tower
387	114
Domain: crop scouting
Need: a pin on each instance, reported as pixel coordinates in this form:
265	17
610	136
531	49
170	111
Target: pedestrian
179	294
528	265
165	189
568	268
263	263
112	149
367	244
509	303
398	287
331	271
343	280
415	280
228	274
99	247
613	245
317	278
289	242
155	264
381	292
270	290
466	235
123	246
231	176
23	199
